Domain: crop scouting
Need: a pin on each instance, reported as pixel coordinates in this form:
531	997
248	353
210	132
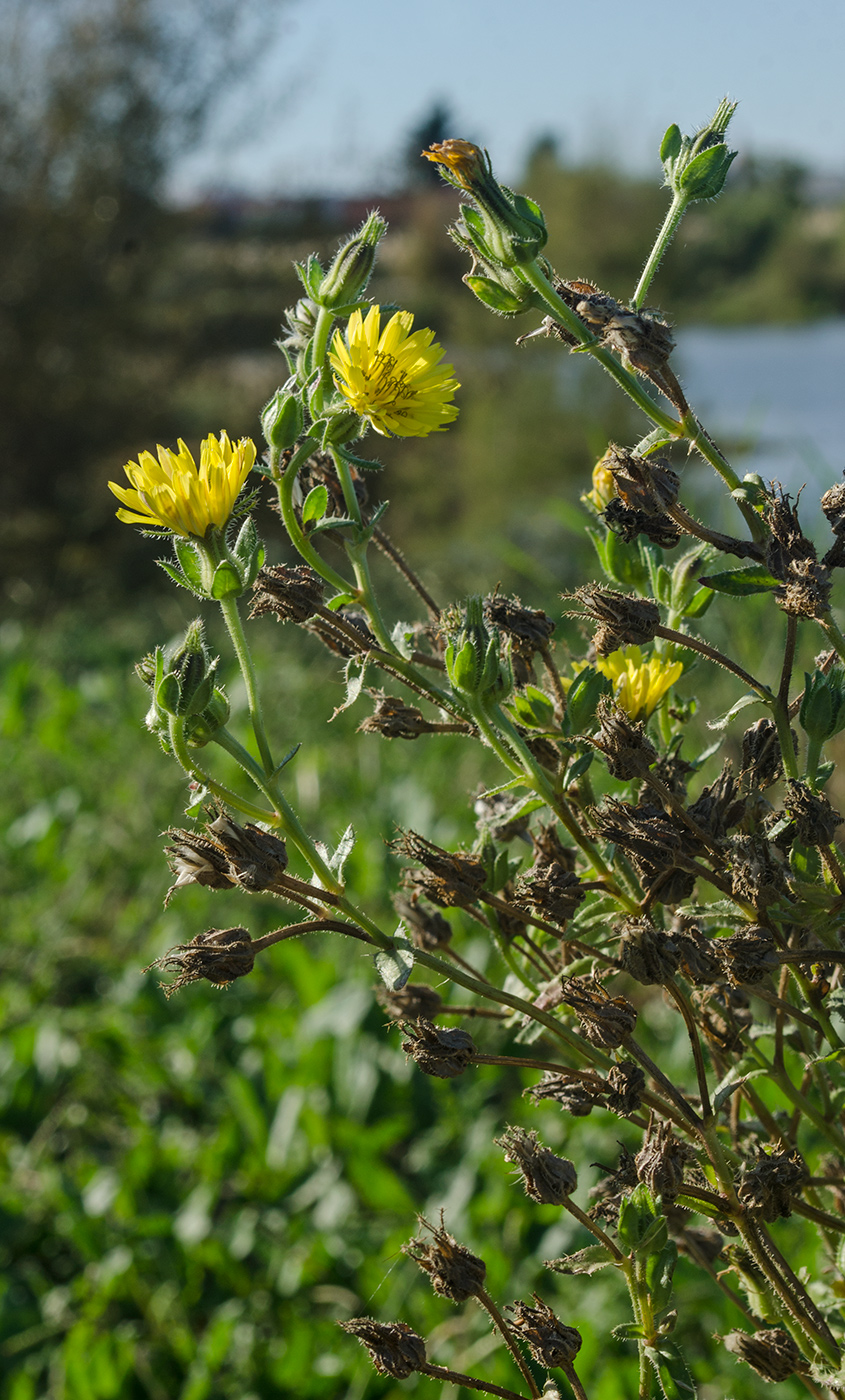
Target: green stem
284	486
814	753
325	321
834	634
234	623
232	799
677	209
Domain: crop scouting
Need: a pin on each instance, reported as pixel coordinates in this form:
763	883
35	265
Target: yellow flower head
604	486
466	162
639	685
174	494
393	378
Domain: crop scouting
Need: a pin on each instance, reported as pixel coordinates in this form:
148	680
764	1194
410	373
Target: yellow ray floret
393	377
639	685
174	494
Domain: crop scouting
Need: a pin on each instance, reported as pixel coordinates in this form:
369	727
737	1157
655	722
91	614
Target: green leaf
699	603
356	669
637	1213
316	504
190	564
742	703
580	766
342	852
395	965
627	1331
584	1261
226	582
670	146
658	1274
675	1380
738	1074
741	583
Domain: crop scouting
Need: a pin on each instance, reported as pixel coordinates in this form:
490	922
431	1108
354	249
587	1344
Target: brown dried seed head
442	1053
767	1190
530	628
697	952
455	1272
625	1086
833	505
606	1021
661	1162
747	957
548	1179
757	876
394	1348
723	1015
646	484
257	858
646	953
630	524
624	620
449	878
771	1352
197	860
719	807
551	890
549	1341
394	719
219	956
761	757
814	818
292	591
655	843
628	750
573	1095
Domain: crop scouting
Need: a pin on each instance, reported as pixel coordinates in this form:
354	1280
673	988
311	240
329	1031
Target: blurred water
779	391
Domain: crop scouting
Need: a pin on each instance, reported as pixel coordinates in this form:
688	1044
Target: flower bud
505	228
697	166
282	420
346	280
473	657
822	712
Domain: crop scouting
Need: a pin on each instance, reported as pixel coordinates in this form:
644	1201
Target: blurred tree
98	98
437	125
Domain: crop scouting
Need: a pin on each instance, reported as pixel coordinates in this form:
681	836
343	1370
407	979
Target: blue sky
343	81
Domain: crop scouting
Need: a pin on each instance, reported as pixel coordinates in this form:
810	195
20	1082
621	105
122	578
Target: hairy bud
549	1180
394	1349
455	1272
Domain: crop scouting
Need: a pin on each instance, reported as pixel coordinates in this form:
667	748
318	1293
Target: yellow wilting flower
604	486
174	494
393	377
639	685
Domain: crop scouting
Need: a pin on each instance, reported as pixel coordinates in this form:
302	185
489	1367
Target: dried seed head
549	1341
646	484
292	591
625	1085
225	855
661	1161
623	620
395	1350
428	929
719	807
529	628
605	1020
455	1272
791	557
747	957
449	878
771	1352
814	819
643	340
442	1053
697	952
655	844
833	505
547	1179
394	719
646	953
197	860
768	1189
608	1192
551	891
548	846
573	1095
723	1015
414	1001
218	956
628	750
761	757
630	524
757	876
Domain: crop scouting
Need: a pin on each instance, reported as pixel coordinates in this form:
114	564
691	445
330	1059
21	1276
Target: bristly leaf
742	703
583	1261
342	852
395	965
741	583
674	1379
356	669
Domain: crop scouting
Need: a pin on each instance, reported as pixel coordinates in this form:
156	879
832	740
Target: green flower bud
473	658
697	166
347	278
822	712
200	728
181	678
582	701
342	427
506	228
282	420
